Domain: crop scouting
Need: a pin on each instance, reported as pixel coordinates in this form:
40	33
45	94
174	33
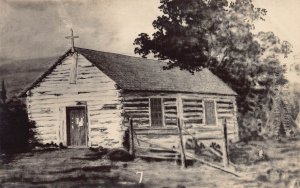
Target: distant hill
18	74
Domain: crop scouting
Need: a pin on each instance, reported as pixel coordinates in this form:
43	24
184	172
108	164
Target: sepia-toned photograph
149	93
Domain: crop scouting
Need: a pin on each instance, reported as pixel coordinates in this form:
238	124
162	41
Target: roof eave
177	91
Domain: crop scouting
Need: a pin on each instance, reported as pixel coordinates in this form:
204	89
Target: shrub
16	130
119	155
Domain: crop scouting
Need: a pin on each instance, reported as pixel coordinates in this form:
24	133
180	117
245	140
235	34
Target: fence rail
183	154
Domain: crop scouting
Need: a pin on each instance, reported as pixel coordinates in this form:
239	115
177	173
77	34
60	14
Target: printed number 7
141	176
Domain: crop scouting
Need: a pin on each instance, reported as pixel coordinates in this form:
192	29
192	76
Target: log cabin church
82	101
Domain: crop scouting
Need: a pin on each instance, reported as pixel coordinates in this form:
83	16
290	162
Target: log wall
47	104
137	106
106	106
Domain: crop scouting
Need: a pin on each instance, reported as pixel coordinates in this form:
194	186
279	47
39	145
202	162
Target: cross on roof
72	37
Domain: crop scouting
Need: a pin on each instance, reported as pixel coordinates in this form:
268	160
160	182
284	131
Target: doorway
76	126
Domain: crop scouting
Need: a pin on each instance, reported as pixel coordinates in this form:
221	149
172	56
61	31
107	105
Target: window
210	113
156	112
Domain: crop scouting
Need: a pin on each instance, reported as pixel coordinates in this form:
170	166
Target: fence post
131	138
182	153
225	146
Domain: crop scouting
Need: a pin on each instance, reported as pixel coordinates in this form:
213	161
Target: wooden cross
72	37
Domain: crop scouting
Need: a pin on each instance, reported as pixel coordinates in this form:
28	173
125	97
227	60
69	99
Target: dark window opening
156	112
210	113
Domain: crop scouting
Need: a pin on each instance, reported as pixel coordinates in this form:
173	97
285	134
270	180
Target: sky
36	28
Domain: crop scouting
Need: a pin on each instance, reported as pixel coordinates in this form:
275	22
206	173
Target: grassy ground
82	168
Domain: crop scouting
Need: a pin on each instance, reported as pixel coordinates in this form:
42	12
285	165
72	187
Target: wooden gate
76	126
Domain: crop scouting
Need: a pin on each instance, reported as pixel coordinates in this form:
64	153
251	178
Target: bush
16	131
119	155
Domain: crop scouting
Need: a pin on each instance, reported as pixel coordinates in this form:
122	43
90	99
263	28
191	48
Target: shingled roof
140	74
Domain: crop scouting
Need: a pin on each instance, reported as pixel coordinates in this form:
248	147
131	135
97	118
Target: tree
219	35
3	92
16	130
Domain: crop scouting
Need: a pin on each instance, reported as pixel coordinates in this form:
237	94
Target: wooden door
210	113
76	126
156	112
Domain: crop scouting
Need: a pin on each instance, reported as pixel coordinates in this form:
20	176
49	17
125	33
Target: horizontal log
170	115
93	79
111	111
81	83
94	114
192	106
61	71
171	123
47	125
208	128
93	96
86	65
200	105
199	121
174	95
62	89
224	111
171	100
42	110
192	125
48	138
93	75
41	119
66	100
57	80
46	130
157	131
225	114
191	100
37	116
224	101
192	114
137	119
226	105
169	103
135	108
136	105
104	117
136	111
170	108
141	121
109	122
128	97
170	112
136	100
199	111
139	115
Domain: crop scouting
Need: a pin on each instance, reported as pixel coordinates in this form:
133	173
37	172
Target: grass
84	168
